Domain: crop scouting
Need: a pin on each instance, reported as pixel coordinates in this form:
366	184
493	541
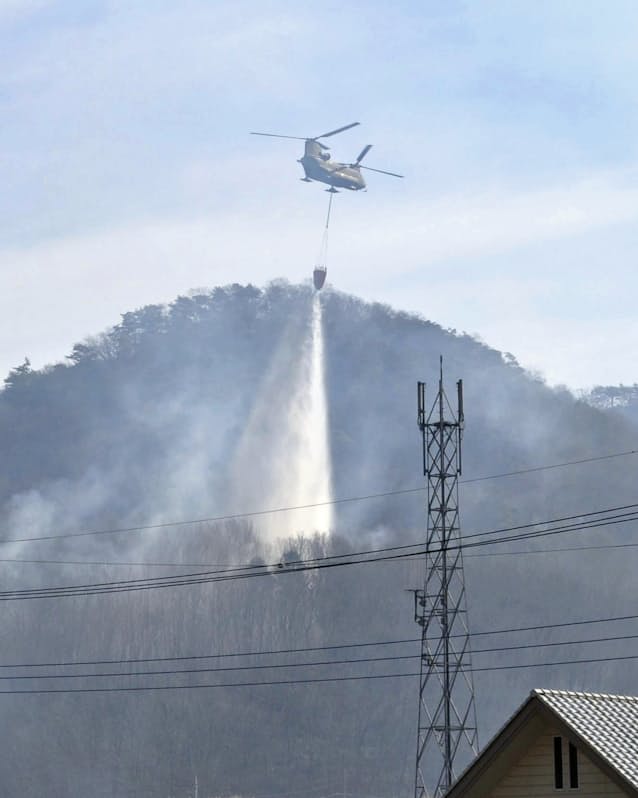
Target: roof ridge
540	691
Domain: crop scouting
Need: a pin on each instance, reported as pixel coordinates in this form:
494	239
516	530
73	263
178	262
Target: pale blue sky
128	175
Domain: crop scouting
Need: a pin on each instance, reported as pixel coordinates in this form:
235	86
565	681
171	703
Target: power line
223	575
330	561
182	658
628	511
315	664
313	505
145	688
554	643
561	550
113	563
565	464
588	661
612	521
224	669
316	680
334	647
561	625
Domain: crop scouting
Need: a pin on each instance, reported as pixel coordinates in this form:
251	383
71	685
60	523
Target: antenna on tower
447	732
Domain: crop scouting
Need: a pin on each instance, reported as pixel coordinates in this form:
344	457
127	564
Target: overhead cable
114	563
310	506
316	680
333	647
307	664
329	561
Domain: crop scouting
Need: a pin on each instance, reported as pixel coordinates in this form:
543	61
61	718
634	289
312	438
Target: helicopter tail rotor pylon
362	155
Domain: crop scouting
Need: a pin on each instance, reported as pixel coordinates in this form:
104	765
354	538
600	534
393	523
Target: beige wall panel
533	775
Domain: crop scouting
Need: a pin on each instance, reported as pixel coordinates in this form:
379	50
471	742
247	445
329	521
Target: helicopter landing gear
332	190
305	180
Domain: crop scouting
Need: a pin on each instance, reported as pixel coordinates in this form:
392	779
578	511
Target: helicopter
317	164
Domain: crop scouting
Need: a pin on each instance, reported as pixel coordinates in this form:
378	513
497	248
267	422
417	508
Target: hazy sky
129	176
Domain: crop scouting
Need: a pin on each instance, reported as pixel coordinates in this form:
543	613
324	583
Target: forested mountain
619	399
143	426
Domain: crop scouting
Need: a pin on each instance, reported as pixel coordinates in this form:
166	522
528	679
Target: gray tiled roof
608	723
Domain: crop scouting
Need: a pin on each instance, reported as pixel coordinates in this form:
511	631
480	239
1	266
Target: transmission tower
447	733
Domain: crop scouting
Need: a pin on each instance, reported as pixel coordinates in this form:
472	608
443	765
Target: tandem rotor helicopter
318	165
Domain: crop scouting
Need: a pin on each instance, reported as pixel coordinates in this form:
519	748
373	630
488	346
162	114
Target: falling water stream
283	459
316	474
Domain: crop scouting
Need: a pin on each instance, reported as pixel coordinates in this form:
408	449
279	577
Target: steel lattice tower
447	733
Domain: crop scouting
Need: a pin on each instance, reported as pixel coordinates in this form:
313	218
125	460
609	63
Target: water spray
283	459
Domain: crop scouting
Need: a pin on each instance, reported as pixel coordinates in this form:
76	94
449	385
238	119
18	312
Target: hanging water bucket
319	276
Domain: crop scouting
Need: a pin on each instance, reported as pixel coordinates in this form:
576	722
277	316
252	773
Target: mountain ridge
143	427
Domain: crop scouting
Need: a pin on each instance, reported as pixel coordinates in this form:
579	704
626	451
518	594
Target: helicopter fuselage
317	165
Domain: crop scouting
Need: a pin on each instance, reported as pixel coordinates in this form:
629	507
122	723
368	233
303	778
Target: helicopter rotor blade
277	136
338	130
381	171
362	155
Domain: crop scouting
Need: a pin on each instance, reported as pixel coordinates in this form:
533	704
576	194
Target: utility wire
317	680
561	550
223	669
565	464
519	666
330	502
311	664
114	563
547	626
146	688
183	658
331	561
554	643
334	647
207	577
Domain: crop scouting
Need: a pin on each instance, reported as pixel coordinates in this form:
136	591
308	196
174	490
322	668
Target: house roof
607	723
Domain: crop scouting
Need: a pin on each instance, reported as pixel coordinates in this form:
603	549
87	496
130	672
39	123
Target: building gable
548	749
534	774
605	724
